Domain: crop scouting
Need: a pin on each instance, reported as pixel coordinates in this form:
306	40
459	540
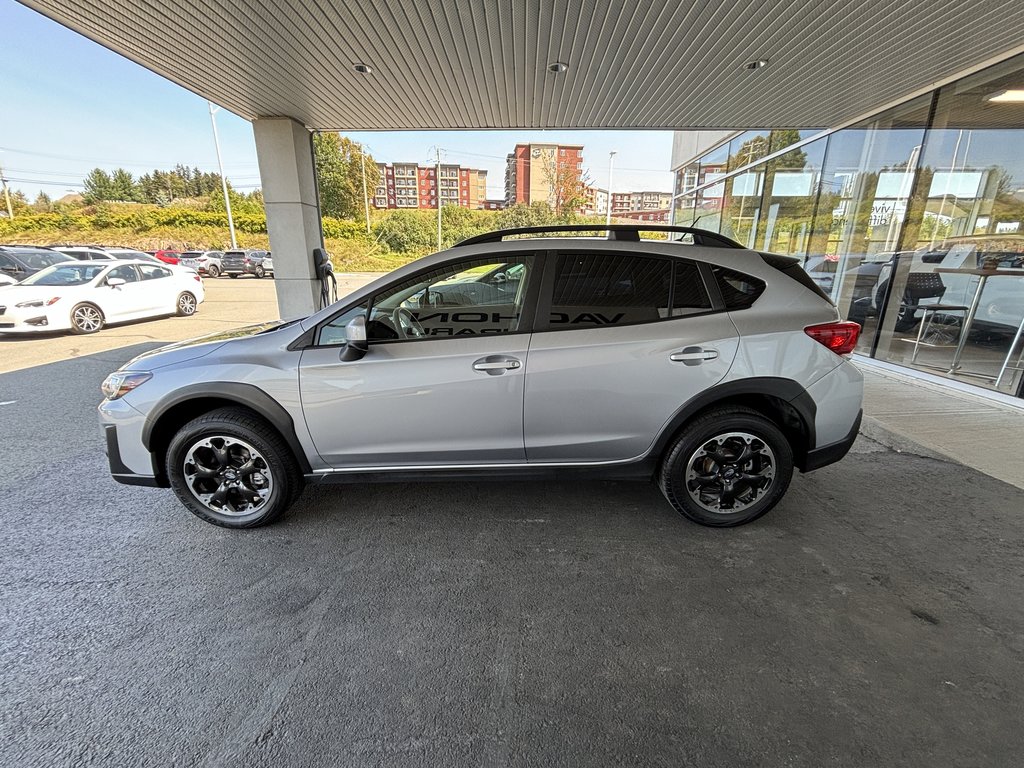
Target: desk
983	276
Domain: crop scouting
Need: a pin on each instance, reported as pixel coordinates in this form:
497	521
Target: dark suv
21	261
245	262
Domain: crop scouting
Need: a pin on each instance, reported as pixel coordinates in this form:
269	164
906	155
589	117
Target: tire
232	275
186	305
86	318
213	270
259	272
731	430
222	441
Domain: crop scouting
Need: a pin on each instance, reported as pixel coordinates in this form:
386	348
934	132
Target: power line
125	163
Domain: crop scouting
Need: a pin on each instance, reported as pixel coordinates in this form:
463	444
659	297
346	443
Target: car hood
18	292
190	349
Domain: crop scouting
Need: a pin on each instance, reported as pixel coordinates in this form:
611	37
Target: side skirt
640	470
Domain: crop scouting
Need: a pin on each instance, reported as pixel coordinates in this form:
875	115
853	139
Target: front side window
603	289
468	298
125	272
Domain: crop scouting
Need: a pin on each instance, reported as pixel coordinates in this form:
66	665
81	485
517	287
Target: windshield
66	274
40	259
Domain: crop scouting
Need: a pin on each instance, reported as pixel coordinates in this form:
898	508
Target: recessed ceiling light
362	69
1009	96
756	64
558	67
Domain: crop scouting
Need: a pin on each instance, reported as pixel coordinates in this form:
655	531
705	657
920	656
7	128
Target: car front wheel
86	318
259	272
230	468
727	468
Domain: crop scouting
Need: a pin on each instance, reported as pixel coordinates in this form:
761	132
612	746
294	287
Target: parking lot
874	617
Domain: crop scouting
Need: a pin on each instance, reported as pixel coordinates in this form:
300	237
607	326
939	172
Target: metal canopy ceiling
449	64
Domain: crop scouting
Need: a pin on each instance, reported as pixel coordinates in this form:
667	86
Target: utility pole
223	178
438	181
7	194
366	200
608	212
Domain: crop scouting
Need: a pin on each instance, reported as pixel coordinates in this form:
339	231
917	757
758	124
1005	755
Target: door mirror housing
115	282
355	344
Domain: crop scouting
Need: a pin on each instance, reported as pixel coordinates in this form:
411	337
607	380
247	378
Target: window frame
527	318
543	324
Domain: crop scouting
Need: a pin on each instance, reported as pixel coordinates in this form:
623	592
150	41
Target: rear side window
601	289
153	272
739	291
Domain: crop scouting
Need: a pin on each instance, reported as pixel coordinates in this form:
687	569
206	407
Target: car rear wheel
213	270
230	468
187	304
86	318
259	271
232	275
727	468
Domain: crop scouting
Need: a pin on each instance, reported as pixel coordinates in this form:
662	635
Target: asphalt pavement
874	618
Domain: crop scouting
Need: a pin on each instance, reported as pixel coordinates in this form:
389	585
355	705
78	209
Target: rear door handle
693	355
496	365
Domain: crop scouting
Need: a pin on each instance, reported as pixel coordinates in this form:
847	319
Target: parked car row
84	288
249	261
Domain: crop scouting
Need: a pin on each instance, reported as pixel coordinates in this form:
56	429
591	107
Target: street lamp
223	178
608	210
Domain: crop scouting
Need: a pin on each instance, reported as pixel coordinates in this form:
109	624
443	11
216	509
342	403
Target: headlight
120	383
37	303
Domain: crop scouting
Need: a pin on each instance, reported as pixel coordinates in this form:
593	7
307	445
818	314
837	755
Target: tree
339	171
407	231
522	215
98	186
566	185
123	187
43	203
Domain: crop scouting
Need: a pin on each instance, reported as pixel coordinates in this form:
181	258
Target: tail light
840	337
197	278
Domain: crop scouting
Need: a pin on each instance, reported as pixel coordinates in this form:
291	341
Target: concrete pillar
284	149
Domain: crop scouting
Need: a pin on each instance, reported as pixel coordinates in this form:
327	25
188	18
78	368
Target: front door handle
496	365
693	355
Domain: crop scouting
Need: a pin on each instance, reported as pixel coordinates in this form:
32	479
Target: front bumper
130	462
30	320
118	470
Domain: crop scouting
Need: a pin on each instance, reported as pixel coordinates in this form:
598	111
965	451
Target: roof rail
625	232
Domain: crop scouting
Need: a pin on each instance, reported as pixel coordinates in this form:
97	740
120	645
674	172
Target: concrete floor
874	618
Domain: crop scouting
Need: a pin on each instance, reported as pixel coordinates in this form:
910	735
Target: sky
70	105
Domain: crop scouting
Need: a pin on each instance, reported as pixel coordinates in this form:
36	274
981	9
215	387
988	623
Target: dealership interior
912	219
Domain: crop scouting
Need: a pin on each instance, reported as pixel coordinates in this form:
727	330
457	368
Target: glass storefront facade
912	220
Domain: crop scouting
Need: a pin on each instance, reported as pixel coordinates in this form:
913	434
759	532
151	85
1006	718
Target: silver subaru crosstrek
710	368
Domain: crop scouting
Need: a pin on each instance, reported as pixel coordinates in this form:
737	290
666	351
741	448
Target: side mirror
355	346
115	282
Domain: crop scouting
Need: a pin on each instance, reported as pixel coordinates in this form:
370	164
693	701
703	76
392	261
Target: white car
83	296
84	252
6	280
203	262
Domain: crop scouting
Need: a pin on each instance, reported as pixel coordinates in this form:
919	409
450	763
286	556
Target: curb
899	441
